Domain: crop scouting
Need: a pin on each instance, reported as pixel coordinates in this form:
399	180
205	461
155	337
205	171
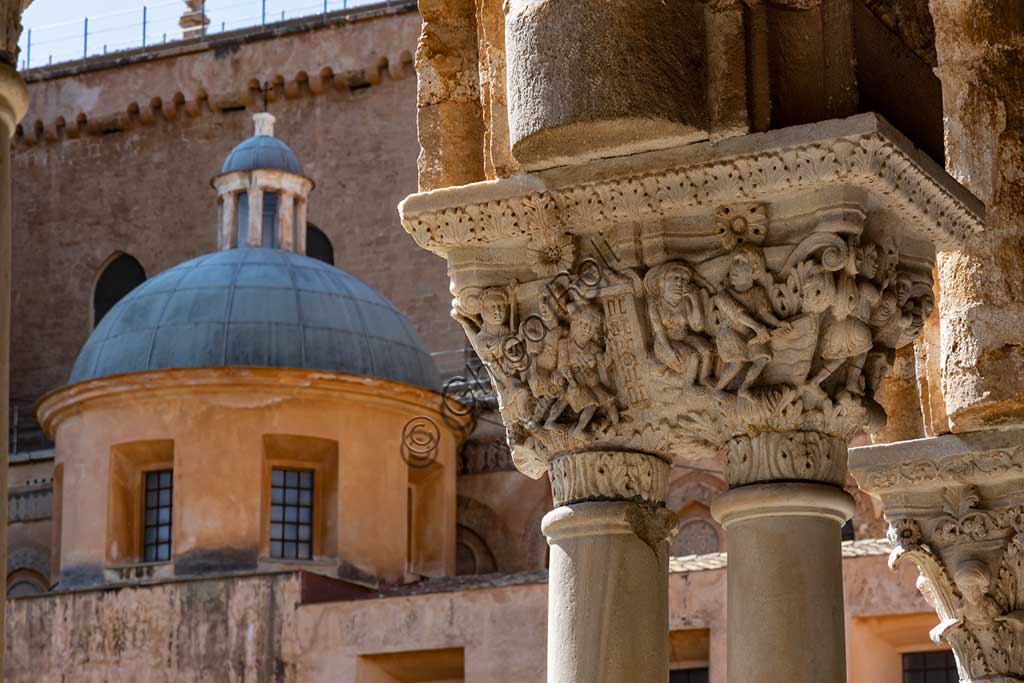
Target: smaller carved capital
785	456
609	475
955	507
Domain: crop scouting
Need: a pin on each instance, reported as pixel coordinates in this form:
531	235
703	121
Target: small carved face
674	284
494	311
741	273
870	261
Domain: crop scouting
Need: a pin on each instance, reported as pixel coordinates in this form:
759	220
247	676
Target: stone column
229	220
955	506
608	618
286	221
785	581
13	106
254	229
301	219
737	299
979	43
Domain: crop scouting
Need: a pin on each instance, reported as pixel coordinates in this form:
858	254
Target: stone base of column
608	592
785	581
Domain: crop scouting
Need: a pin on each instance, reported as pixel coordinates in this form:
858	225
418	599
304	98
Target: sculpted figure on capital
584	363
543	335
746	319
679	312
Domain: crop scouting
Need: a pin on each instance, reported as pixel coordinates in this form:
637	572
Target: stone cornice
253	384
862	151
940	462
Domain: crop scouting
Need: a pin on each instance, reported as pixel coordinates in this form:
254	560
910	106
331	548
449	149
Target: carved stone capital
785	456
743	298
604	475
955	507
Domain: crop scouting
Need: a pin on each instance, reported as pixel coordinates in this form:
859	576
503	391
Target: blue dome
262	152
256	308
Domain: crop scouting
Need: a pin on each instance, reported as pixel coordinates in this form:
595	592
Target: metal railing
155	23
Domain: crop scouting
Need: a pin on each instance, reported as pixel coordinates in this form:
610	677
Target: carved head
870	260
586	323
494	306
668	282
546	308
973	578
748	266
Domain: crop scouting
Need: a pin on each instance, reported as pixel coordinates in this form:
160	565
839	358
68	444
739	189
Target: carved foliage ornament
774	362
866	160
979	594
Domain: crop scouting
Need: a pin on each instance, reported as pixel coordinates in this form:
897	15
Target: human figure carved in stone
543	334
584	364
678	310
747	319
848	338
486	320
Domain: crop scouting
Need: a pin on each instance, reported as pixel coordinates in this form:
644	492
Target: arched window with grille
318	245
121	274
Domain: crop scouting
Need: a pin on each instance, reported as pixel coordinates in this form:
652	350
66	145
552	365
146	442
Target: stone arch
688	485
475	522
472	554
119	274
28	564
690	495
25	582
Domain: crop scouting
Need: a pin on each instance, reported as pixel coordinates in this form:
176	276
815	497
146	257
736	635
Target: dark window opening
689	676
121	276
318	245
291	514
156	539
848	534
930	667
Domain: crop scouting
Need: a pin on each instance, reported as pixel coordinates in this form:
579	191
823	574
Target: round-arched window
318	245
122	274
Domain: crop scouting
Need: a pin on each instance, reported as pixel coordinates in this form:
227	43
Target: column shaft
785	582
255	226
607	593
608	581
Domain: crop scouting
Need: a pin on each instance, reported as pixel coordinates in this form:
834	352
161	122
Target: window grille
930	667
291	514
156	535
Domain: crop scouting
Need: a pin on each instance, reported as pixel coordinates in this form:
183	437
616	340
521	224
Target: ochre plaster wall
217	420
144	187
249	628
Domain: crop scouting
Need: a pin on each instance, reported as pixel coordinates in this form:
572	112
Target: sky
58	26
